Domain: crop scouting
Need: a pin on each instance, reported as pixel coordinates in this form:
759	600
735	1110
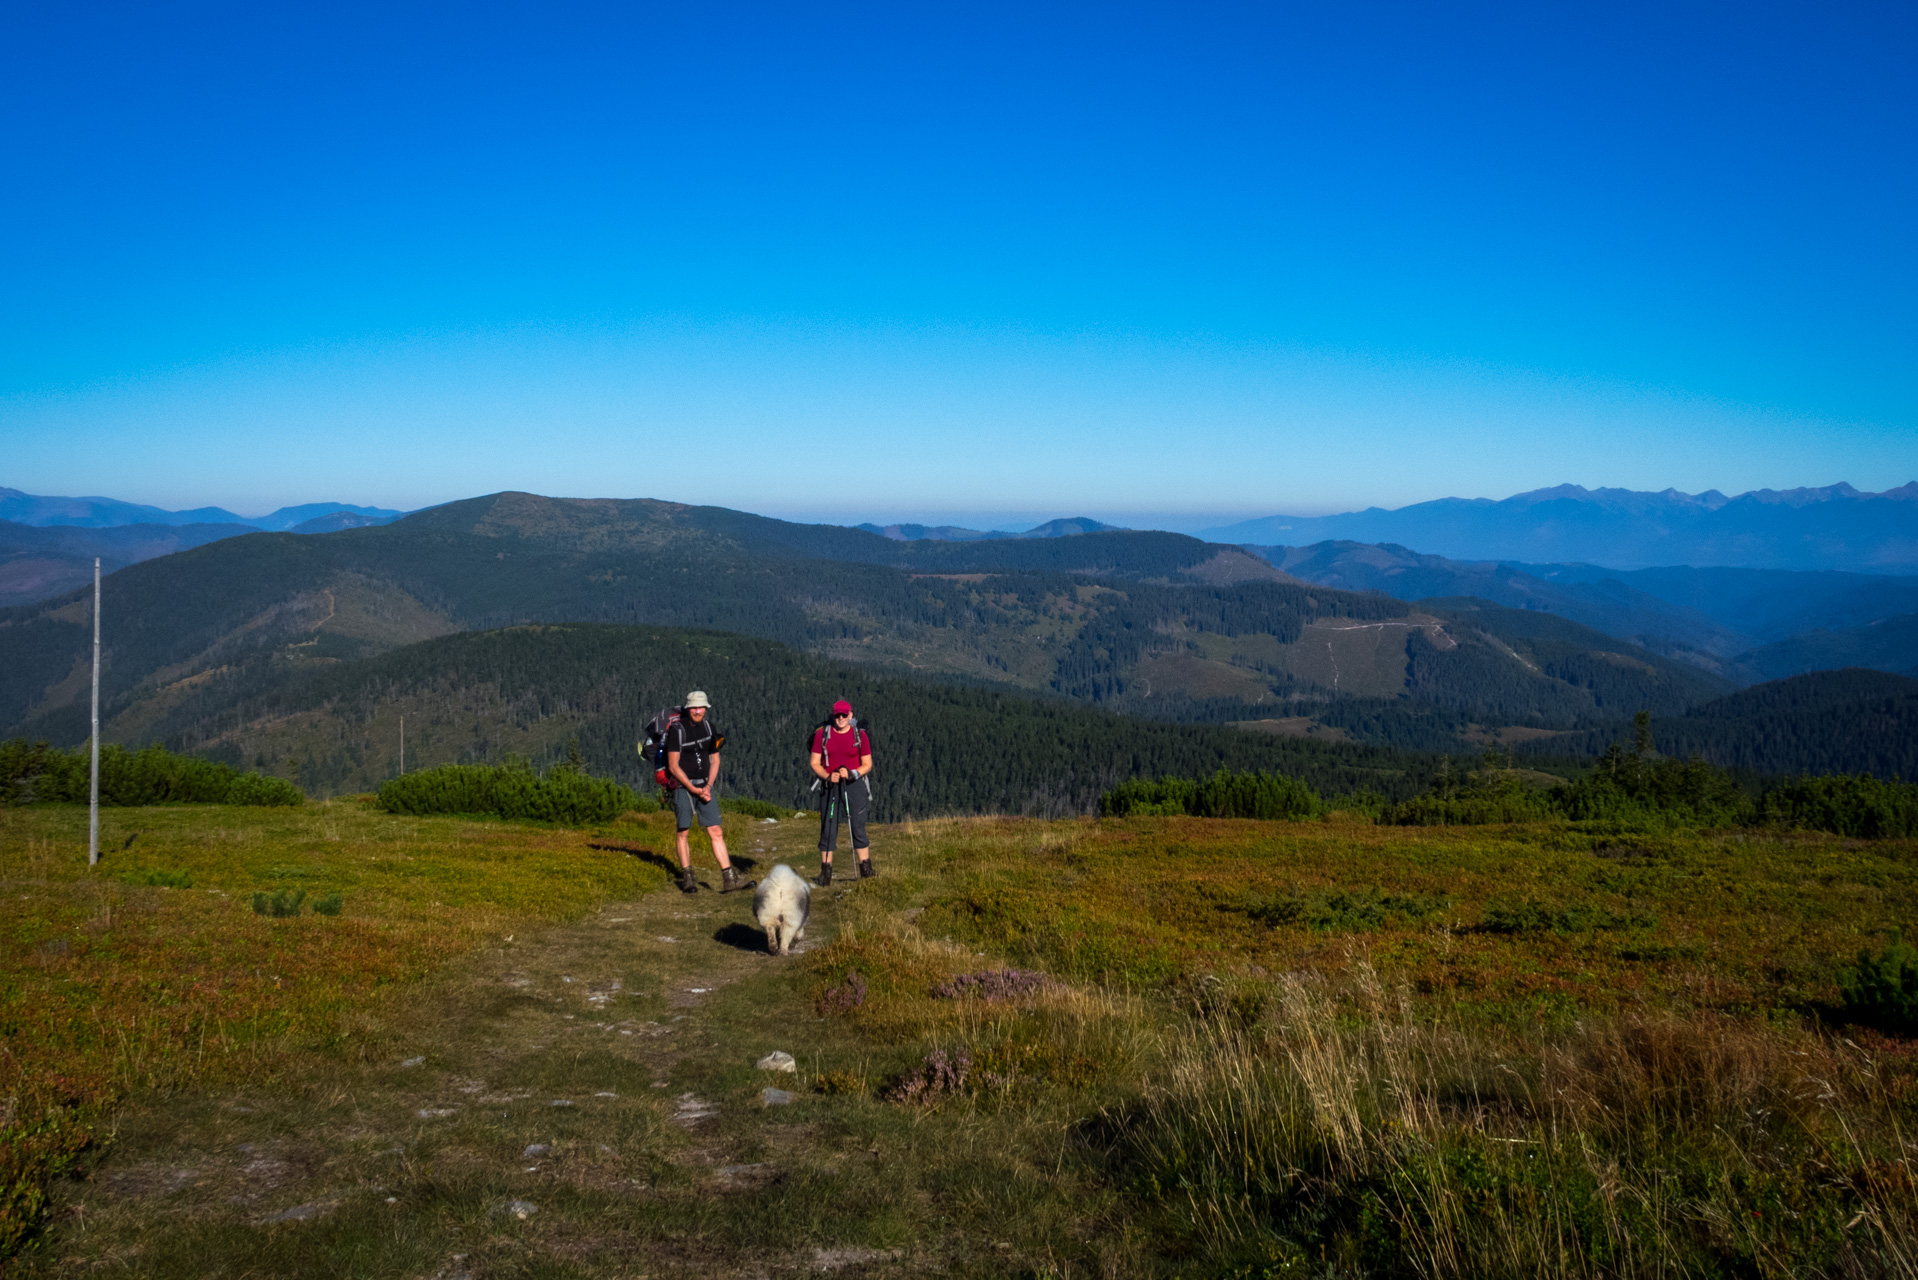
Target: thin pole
93	804
402	744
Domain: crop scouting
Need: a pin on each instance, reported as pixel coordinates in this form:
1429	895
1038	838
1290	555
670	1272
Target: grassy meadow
1227	1048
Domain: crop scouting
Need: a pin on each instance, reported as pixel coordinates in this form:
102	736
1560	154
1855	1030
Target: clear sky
1148	264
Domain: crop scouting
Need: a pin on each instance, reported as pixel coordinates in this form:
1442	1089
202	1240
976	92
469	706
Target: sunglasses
842	715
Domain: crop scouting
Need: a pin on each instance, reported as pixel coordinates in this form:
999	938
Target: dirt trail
574	1096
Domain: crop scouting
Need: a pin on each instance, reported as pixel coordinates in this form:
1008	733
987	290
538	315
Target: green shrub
258	789
329	905
37	773
1539	917
564	795
1341	910
1223	795
1860	806
165	879
1882	991
280	904
1475	806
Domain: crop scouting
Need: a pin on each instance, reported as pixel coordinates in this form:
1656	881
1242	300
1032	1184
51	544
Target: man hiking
842	757
692	760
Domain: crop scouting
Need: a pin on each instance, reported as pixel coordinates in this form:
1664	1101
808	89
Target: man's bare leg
718	838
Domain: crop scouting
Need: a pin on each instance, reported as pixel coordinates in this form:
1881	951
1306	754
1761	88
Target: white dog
781	904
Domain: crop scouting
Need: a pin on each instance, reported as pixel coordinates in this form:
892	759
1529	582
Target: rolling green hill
532	690
1153	624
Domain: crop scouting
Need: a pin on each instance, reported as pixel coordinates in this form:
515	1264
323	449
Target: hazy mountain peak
1830	527
1066	527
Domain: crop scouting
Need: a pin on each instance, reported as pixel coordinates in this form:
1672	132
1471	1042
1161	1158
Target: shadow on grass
741	937
659	860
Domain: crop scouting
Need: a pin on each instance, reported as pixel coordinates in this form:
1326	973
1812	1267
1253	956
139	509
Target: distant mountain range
1749	625
1155	624
1836	528
210	648
953	533
47	545
106	513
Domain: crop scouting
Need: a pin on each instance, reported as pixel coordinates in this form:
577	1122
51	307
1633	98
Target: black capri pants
847	800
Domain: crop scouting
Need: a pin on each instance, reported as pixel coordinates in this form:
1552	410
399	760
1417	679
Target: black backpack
652	748
859	725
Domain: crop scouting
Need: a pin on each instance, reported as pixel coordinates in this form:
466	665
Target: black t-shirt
696	744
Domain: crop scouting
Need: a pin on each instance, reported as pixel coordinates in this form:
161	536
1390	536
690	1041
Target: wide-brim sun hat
698	698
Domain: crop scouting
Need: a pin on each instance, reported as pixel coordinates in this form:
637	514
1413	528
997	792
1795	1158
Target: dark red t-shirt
841	750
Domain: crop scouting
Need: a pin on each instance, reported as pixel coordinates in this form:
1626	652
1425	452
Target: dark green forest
1824	722
941	748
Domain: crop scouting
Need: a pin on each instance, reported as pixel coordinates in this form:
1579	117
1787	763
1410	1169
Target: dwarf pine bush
1859	806
565	795
38	773
1882	990
281	904
1223	795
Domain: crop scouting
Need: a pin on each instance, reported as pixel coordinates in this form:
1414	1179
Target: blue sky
1148	264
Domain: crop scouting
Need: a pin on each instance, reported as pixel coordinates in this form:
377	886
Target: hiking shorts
686	806
853	810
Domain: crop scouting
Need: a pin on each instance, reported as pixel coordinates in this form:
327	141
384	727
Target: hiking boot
729	880
687	884
825	874
866	868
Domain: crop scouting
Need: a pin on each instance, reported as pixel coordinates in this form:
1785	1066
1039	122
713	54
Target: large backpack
652	748
859	726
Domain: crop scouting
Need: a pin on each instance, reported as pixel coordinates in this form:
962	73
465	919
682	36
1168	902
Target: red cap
842	706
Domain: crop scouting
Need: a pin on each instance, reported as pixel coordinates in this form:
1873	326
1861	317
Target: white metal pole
402	744
93	804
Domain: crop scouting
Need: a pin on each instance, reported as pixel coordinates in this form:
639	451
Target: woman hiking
842	758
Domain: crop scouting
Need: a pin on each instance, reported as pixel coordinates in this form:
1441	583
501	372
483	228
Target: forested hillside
1145	623
534	690
1851	721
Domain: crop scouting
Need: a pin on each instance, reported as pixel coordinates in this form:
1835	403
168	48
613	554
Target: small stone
778	1060
560	1102
413	1062
606	1093
772	1097
521	1209
437	1113
536	1149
